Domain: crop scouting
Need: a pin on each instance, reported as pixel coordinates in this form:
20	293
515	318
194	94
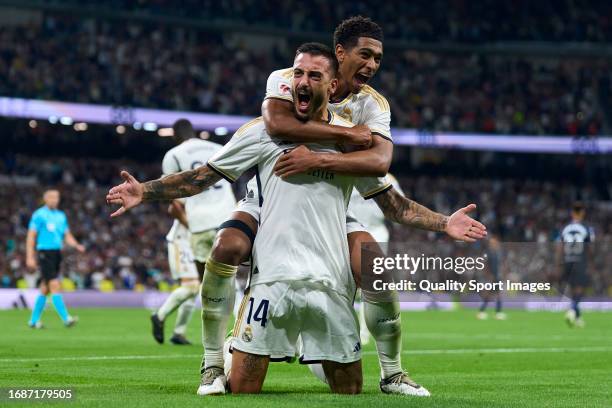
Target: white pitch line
98	358
503	350
367	353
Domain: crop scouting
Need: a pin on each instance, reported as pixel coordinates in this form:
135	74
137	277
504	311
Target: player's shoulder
392	179
285	73
374	99
173	150
339	120
207	143
39	211
251	128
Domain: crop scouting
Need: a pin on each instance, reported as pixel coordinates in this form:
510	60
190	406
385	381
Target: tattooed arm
402	210
130	193
178	185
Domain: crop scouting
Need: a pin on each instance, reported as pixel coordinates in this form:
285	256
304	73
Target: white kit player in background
183	270
201	214
369	214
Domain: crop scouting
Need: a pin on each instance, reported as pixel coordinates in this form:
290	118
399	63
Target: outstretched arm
281	122
402	210
373	162
130	193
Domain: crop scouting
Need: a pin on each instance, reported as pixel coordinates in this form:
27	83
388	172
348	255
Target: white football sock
217	305
176	298
183	316
383	320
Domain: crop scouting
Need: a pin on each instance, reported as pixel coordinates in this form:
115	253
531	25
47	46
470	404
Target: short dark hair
183	129
348	31
315	48
578	207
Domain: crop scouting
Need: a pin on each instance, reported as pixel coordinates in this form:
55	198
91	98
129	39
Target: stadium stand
133	63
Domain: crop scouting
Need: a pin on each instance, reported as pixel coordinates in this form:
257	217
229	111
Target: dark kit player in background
572	260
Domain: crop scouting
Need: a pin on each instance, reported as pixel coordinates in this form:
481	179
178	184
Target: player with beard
358	47
359	50
314	278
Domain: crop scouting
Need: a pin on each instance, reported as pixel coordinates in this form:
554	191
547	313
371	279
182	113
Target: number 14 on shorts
261	312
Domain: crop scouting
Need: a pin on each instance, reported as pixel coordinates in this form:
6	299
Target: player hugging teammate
301	286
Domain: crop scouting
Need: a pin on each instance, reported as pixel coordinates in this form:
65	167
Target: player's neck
342	91
322	114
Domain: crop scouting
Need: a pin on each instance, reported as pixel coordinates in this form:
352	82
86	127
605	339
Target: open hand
127	194
463	227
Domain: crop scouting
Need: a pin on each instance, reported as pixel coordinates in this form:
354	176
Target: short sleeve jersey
302	232
208	209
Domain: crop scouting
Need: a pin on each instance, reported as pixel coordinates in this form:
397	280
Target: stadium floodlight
66	120
150	126
33	124
80	127
53	119
165	132
120	129
221	131
137	125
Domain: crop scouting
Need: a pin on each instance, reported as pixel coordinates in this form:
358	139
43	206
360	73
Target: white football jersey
368	107
369	213
302	231
212	206
178	233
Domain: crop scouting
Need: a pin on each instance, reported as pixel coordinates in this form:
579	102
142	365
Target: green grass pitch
110	359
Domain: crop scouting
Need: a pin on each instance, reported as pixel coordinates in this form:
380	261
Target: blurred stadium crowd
137	63
425	21
449	66
130	252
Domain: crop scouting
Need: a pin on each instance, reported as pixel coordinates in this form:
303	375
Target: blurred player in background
183	270
47	232
572	257
203	213
494	263
372	218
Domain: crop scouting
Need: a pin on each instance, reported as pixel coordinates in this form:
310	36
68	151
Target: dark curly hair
348	31
314	48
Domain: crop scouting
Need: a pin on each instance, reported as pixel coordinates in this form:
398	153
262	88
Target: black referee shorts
49	262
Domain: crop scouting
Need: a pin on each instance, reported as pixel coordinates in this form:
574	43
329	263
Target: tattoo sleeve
402	210
183	184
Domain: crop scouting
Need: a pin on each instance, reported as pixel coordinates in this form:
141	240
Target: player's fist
359	135
127	194
31	263
80	248
462	227
296	161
